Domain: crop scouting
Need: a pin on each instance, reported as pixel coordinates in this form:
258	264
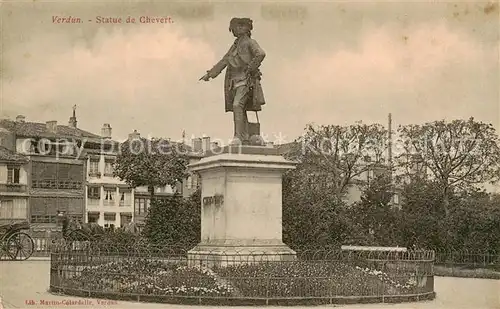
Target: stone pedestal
241	207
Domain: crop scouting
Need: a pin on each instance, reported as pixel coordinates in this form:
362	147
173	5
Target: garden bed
298	279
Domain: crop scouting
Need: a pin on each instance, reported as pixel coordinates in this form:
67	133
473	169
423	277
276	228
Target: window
192	182
43	219
94	167
93	217
109	220
178	188
109	196
94	193
109	217
13	174
125	219
108	168
141	205
6	209
125	198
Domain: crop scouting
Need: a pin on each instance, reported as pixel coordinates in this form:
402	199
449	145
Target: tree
174	221
458	154
332	156
311	220
474	222
330	159
422	220
374	214
153	163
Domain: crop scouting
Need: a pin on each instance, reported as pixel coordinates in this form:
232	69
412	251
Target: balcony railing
94	174
13	187
93	202
125	203
109	203
56	184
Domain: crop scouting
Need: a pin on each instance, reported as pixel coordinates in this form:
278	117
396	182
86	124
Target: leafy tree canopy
458	154
155	162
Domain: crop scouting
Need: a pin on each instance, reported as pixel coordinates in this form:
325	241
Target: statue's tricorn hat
239	21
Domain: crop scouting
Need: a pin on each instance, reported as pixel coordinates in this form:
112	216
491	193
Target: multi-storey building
61	168
55	172
109	201
13	185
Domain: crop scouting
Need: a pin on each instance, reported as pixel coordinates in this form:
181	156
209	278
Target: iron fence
468	263
450	258
174	275
43	246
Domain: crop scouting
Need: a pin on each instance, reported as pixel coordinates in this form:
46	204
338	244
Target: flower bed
311	279
263	280
147	277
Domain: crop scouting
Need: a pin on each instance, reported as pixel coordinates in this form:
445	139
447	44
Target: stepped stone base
226	253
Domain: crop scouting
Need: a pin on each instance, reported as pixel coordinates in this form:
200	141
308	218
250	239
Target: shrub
173	221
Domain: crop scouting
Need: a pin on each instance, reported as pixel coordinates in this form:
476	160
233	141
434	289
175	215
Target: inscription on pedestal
217	200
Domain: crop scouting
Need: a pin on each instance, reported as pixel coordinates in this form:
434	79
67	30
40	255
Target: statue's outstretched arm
258	55
217	68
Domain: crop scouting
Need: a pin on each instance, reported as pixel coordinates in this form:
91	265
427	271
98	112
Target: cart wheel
20	246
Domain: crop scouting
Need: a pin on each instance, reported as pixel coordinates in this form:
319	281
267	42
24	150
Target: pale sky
340	63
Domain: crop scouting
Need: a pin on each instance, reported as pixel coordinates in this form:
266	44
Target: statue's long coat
252	55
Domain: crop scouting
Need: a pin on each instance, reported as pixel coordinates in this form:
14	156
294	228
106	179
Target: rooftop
8	155
37	129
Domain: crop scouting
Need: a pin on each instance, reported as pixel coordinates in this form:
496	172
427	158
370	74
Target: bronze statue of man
242	88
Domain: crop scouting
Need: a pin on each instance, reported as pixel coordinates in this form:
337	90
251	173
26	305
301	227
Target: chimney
72	120
106	130
197	144
133	135
206	143
52	126
20	118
